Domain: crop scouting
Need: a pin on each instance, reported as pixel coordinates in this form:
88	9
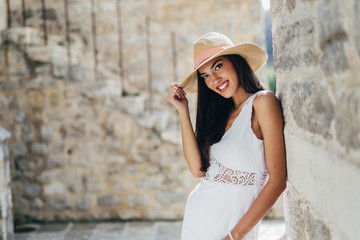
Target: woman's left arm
269	117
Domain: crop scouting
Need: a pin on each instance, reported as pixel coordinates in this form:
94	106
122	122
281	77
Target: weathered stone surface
138	200
18	149
27	132
123	186
94	186
149	182
73	130
27	164
20	117
2	21
55	162
21	206
334	59
287	53
129	214
357	23
156	120
54	188
38	53
108	201
76	73
290	4
321	100
60	203
116	159
302	224
329	20
35	99
331	36
172	135
7	86
47	176
39	148
37	204
58	148
41	82
24	36
46	132
95	130
59	66
312	108
84	203
134	105
76	187
158	213
171	197
347	119
31	190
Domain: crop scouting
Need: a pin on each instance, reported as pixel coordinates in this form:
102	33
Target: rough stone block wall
2	13
83	87
317	64
6	214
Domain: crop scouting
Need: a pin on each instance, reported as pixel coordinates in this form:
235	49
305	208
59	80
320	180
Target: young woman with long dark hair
237	148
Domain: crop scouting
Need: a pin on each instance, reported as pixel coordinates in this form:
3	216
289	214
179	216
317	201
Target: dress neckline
233	123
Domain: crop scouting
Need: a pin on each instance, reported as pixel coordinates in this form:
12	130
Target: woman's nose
216	78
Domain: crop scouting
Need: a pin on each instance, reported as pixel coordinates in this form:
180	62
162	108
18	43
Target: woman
238	147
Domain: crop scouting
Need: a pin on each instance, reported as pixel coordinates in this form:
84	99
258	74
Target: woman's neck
240	97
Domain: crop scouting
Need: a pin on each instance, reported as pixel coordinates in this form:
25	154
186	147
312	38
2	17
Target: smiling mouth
224	86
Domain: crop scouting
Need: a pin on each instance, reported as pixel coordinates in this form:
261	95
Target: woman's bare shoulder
265	99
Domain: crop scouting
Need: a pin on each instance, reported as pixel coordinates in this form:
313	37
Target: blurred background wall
317	65
83	85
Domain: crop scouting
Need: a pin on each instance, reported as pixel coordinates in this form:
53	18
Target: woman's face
220	76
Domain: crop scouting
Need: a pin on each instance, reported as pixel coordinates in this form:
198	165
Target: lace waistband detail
217	172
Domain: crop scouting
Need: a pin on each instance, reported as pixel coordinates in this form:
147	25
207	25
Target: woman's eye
218	66
204	77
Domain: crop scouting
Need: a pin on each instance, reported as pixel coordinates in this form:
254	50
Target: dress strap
250	107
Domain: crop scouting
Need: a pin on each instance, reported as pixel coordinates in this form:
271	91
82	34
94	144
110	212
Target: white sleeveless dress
236	175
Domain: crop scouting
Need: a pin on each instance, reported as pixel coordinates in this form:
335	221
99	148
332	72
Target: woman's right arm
177	97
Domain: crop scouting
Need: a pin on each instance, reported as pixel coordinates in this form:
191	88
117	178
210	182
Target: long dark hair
213	110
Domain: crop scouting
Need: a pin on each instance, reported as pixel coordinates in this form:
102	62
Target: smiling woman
238	147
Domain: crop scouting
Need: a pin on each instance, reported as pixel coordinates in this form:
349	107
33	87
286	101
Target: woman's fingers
182	91
178	92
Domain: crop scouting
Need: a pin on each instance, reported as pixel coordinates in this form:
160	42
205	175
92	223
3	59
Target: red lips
223	86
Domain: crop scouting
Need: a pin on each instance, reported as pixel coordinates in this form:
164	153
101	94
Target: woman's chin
226	94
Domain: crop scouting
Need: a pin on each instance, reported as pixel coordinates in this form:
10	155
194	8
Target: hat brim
253	54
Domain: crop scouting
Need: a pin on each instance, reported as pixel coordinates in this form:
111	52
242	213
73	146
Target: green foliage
125	94
29	13
271	78
49	14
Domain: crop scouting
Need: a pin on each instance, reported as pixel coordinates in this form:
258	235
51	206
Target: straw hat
213	45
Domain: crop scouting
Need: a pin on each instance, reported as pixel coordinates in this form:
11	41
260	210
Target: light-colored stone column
5	191
317	64
3	15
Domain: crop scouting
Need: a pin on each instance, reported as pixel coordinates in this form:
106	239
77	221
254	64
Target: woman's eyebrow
212	66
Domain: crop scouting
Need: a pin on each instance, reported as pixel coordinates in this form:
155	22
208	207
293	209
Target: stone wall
82	91
317	64
6	215
3	14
